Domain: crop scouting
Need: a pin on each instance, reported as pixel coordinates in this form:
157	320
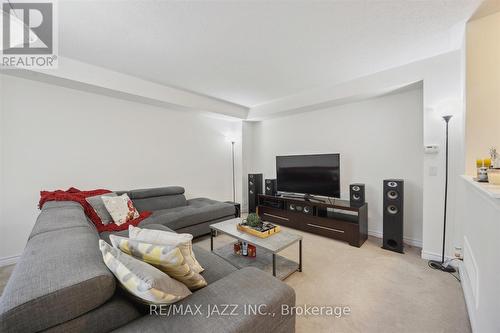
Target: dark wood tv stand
336	219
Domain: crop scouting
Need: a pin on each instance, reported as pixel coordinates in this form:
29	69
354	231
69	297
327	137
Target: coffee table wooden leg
274	264
300	255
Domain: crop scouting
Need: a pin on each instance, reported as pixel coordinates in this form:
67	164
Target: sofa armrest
230	304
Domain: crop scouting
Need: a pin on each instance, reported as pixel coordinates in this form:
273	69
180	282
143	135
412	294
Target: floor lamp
440	265
234	185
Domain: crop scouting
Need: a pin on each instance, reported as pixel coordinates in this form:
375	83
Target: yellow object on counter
479	163
487	162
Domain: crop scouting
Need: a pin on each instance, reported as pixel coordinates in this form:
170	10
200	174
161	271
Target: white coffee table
267	257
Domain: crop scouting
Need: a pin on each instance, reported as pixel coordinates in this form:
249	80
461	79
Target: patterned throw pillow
98	205
167	258
182	241
146	283
120	208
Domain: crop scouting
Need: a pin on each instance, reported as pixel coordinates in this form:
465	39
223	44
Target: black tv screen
309	174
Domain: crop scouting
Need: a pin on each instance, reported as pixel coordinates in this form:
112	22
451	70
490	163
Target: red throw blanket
74	194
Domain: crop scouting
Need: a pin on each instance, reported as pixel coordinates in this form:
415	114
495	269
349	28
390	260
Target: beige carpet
387	292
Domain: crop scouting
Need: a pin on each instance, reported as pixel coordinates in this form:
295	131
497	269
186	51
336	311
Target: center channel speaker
357	194
393	215
305	209
270	186
254	189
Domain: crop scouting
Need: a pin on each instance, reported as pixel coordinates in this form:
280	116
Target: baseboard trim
406	240
469	300
6	261
436	256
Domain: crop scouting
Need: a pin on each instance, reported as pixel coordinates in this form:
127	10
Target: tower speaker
357	194
271	186
393	215
254	189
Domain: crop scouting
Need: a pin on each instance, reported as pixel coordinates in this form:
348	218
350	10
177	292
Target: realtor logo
28	35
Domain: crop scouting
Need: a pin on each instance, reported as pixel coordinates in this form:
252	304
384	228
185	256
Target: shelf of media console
331	218
330	206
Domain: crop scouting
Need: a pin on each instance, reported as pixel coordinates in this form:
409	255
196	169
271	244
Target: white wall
443	82
55	137
378	138
479	214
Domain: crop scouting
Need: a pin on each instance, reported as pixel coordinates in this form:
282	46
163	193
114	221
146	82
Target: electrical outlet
458	252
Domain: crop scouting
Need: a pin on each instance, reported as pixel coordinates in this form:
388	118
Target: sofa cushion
156	192
116	312
144	282
197	211
167	258
59	277
162	217
59	204
169	238
248	286
202	228
56	218
105	235
157	203
120	208
215	267
100	209
158	198
124	233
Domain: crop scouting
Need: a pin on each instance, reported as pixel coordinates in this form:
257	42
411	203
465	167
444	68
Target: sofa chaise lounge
171	209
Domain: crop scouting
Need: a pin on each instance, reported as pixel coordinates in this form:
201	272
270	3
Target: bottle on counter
244	249
252	251
487	163
237	248
482	174
479	165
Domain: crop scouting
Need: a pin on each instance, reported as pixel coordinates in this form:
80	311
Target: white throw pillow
143	281
166	258
120	208
160	237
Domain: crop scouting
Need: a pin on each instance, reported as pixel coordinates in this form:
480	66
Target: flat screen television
309	174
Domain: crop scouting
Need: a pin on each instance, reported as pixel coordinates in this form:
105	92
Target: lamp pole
234	186
434	263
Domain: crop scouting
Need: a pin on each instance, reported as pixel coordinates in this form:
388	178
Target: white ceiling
250	53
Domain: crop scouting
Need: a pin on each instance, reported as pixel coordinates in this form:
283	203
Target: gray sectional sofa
61	284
